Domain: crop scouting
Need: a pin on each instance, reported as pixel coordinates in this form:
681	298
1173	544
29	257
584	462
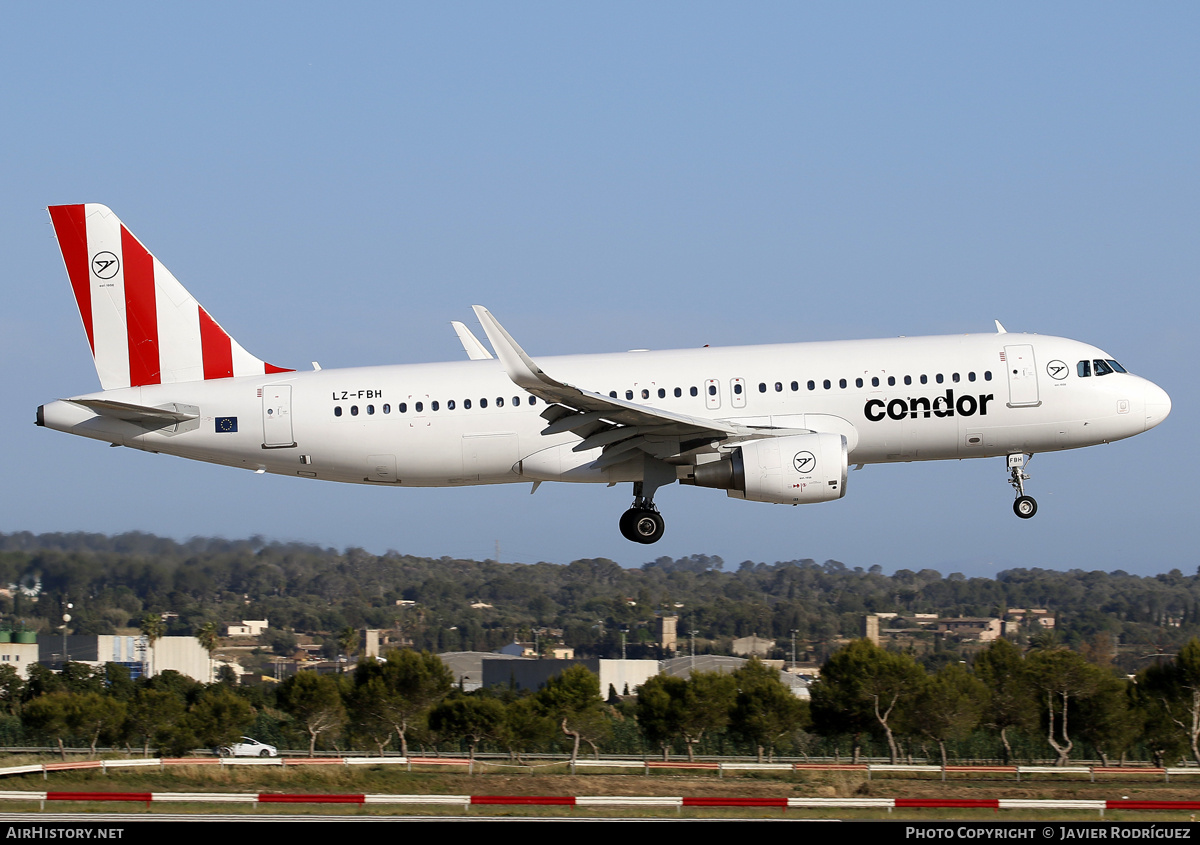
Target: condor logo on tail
921	406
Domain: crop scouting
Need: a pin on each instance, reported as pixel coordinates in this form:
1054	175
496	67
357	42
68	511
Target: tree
315	702
948	706
860	688
708	702
1061	677
573	700
764	710
1010	702
49	714
218	717
11	689
412	683
209	641
1176	687
525	727
151	714
347	644
152	629
471	716
660	710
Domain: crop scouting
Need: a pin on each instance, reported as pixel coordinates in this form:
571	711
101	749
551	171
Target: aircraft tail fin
141	323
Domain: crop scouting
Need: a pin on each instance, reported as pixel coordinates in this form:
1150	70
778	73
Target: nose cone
1158	405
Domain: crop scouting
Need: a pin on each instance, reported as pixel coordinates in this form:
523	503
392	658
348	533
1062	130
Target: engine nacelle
794	470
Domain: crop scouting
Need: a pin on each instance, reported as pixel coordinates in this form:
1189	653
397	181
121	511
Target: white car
248	748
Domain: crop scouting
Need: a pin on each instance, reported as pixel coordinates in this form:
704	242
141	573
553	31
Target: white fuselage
460	423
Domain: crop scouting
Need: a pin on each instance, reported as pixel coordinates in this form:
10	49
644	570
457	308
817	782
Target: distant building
667	632
248	628
182	654
20	656
533	674
682	667
984	629
752	646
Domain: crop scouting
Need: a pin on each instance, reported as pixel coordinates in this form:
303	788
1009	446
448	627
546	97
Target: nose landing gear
1024	506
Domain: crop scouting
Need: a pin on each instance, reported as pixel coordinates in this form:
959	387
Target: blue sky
338	184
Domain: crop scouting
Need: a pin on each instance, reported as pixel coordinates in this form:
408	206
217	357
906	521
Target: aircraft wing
603	421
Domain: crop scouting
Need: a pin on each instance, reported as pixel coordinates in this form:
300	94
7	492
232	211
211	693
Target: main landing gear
642	523
1024	506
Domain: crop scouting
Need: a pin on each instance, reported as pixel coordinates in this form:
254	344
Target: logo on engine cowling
924	407
804	461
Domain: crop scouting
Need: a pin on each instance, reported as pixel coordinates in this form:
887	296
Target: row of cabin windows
434	405
827	384
940	378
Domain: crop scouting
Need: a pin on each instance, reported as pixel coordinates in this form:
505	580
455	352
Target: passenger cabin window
874	381
812	385
337	410
678	392
694	391
449	406
662	394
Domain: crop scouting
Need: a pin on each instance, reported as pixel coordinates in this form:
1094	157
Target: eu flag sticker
226	425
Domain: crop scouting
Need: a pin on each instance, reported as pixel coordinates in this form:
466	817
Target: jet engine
793	470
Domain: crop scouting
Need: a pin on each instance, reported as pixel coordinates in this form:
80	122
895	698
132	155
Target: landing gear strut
1024	506
642	523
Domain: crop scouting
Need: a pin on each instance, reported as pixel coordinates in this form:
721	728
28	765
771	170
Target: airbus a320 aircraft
779	423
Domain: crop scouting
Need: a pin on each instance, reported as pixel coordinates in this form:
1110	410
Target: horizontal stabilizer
140	414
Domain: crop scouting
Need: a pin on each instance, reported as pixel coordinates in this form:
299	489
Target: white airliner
778	423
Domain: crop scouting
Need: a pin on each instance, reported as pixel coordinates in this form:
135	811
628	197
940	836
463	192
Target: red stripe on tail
141	312
71	230
216	347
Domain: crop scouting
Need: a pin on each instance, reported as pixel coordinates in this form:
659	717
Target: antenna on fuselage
1000	329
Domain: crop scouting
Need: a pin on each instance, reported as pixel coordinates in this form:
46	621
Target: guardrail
677	803
646	766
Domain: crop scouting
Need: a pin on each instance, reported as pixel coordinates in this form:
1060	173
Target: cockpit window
1115	365
1084	368
1102	368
